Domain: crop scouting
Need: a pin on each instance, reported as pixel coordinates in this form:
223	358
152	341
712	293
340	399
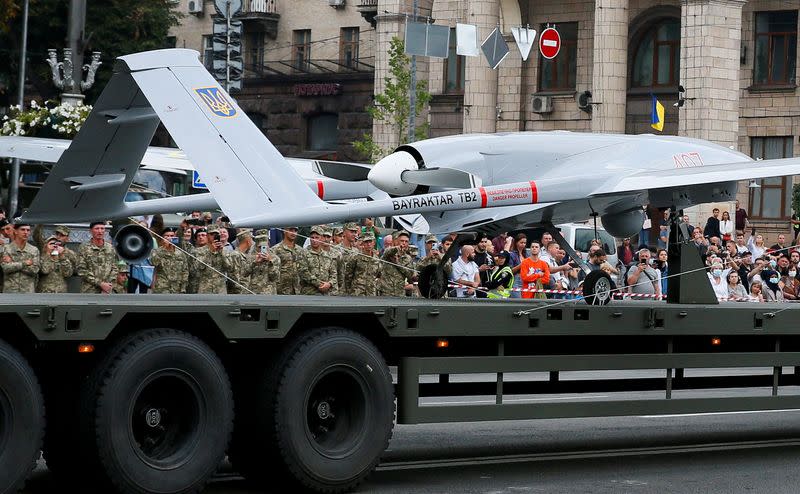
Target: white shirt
721	288
463	271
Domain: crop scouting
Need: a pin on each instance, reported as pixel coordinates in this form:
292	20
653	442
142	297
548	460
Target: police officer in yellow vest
501	279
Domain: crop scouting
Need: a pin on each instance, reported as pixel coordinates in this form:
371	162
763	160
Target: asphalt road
718	453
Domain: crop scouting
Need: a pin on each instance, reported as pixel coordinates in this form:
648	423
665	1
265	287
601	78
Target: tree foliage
113	27
393	105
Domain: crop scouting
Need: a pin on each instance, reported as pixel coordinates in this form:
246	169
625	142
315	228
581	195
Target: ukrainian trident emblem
216	101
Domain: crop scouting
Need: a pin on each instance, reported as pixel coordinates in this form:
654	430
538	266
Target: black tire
333	411
21	419
432	281
598	288
163	413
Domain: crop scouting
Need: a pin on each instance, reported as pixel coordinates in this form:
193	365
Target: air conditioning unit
542	104
336	3
196	7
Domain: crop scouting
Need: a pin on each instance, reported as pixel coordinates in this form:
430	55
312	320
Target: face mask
716	272
774	280
175	240
792	274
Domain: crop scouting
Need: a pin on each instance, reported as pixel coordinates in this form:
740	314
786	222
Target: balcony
261	13
316	69
368	10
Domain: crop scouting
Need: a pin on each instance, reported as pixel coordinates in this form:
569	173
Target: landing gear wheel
21	419
163	414
432	281
597	288
334	411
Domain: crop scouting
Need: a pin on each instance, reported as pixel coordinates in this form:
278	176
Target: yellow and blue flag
657	117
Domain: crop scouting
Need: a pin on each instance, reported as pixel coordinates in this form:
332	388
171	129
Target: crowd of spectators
204	255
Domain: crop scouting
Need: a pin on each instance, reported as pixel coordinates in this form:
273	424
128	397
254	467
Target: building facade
308	70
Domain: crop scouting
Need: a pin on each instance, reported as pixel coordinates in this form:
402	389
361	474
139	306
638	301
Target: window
773	199
301	48
656	61
454	68
558	74
776	48
254	46
208	52
323	132
348	47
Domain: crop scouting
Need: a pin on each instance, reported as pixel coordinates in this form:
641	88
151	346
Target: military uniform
211	269
294	267
264	275
345	265
393	277
18	275
171	270
96	265
364	271
120	287
54	271
322	267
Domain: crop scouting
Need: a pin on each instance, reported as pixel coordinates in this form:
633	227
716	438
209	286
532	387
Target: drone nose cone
387	173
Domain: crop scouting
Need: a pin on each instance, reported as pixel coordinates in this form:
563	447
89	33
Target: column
711	32
480	85
610	71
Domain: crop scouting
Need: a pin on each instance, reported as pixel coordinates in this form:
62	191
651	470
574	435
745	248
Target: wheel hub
324	410
153	417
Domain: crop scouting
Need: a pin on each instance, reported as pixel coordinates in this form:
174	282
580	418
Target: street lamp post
13	190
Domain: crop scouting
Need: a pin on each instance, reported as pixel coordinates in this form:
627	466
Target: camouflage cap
244	232
262	231
318	229
365	236
212	228
338	230
62	230
352	226
122	267
326	232
413	249
431	238
400	233
51	237
261	239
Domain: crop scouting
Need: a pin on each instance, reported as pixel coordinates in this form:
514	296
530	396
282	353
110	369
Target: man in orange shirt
533	270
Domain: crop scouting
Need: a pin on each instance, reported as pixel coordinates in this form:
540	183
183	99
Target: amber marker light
85	348
716	342
442	343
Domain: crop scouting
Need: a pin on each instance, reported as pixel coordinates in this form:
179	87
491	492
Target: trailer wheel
21	419
334	411
163	414
598	288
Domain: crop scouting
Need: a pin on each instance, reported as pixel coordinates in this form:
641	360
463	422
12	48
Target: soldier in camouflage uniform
121	280
212	265
349	252
6	234
265	270
294	264
394	278
241	263
171	266
97	262
61	233
20	262
55	267
200	242
365	268
321	266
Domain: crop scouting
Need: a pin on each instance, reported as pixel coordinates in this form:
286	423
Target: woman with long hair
726	227
516	256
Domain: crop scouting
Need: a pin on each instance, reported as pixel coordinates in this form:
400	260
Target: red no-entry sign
549	43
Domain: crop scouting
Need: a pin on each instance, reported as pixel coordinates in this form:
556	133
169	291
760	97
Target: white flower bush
64	119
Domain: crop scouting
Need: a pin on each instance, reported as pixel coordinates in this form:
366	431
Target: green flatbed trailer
144	393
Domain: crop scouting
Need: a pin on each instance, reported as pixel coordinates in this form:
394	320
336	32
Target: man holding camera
642	277
171	265
55	267
265	270
212	265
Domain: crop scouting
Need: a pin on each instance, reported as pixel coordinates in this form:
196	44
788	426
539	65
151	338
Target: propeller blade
441	177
